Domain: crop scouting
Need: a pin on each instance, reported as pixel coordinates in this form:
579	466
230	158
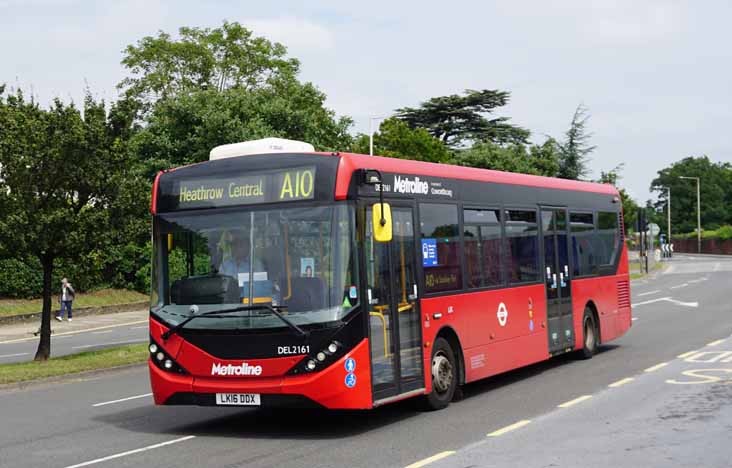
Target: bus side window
439	227
522	244
608	236
582	229
482	247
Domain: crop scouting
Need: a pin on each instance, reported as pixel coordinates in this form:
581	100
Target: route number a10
297	185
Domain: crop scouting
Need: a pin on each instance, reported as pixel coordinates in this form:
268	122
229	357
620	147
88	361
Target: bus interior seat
205	290
307	294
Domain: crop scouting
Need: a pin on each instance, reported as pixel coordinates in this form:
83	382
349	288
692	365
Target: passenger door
555	232
394	318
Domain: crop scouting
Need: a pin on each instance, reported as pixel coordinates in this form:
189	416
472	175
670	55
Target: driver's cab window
188	255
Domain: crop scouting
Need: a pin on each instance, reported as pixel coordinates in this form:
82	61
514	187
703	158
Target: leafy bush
20	279
725	232
722	233
122	267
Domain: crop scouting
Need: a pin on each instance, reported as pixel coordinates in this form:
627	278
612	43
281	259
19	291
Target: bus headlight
310	365
332	348
162	360
320	356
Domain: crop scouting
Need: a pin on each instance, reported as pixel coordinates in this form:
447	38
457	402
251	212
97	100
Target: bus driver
237	266
238	262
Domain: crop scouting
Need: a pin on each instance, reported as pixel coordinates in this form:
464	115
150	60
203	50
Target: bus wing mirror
381	222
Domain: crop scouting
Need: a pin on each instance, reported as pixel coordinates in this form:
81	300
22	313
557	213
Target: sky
655	75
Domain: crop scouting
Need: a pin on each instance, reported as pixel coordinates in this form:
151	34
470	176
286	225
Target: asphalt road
62	343
649	421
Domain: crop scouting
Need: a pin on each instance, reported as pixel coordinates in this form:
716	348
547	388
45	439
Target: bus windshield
300	260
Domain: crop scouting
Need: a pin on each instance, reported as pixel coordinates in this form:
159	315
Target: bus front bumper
329	388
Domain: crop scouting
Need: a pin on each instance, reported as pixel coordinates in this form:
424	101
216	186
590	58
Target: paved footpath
85	333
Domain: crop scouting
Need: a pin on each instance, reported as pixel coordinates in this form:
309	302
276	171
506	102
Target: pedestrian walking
65	298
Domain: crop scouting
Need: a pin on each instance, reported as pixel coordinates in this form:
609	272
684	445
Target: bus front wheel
589	334
444	376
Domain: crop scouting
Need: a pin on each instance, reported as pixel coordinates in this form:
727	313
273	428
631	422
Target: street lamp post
698	212
668	215
371	132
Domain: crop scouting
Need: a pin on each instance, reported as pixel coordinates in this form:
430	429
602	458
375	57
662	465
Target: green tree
716	193
455	119
630	207
536	159
575	148
216	86
183	130
204	59
58	176
396	139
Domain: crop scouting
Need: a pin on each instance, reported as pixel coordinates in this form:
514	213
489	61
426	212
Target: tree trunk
44	346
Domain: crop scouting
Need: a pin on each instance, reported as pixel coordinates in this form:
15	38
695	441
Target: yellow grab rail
386	337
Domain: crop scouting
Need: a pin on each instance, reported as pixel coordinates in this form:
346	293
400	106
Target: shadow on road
303	424
261	423
481	387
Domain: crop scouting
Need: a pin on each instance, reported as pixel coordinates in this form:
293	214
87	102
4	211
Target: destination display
291	184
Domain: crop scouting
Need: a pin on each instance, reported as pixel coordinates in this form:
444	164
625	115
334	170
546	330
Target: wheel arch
449	334
591	305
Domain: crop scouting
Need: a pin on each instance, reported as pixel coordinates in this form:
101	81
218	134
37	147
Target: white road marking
101	332
715	343
698	280
140	328
75	332
108	343
13	355
634	319
105	403
431	459
686	354
621	382
649	293
656	367
569	403
667	299
131	452
683	285
510	428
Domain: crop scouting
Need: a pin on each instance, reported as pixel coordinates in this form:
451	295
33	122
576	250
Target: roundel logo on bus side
502	314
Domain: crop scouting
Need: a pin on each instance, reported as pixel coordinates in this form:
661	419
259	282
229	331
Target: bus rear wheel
589	335
444	372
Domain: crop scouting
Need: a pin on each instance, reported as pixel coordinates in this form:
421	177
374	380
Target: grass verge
73	363
103	297
635	272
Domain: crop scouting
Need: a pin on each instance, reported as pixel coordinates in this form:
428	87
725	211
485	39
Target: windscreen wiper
218	313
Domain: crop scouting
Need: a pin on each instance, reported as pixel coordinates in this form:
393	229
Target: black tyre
590	335
444	372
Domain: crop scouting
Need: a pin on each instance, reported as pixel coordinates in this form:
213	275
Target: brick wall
708	246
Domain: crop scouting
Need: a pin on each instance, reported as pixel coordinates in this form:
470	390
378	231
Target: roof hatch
263	146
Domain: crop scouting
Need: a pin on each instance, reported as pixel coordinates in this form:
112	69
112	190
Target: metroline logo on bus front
230	369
